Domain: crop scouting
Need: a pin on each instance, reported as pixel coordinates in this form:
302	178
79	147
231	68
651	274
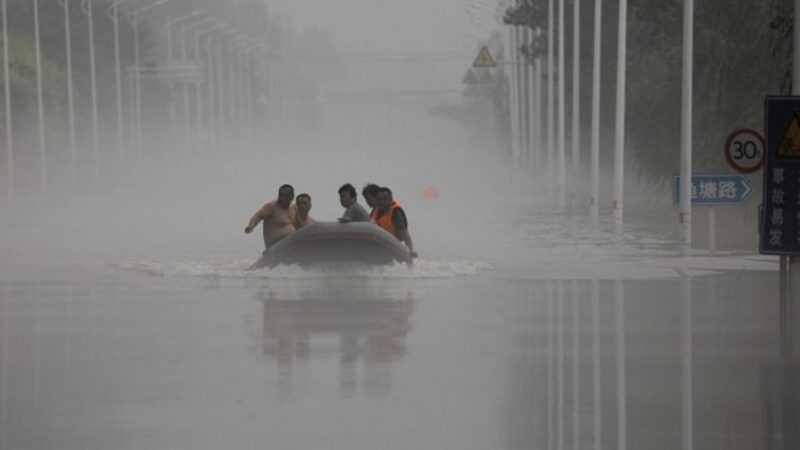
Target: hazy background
319	93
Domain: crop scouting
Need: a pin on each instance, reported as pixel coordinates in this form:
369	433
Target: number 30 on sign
744	150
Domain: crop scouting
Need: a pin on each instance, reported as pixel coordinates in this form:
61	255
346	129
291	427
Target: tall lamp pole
576	93
88	7
209	75
562	156
137	116
619	138
184	56
70	93
7	91
686	127
595	149
39	98
113	14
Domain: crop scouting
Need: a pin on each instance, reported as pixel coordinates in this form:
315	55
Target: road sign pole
793	263
712	229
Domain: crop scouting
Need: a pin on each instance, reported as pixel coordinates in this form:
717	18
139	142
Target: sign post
712	190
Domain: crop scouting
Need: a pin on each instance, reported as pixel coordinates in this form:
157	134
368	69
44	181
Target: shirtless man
303	204
279	217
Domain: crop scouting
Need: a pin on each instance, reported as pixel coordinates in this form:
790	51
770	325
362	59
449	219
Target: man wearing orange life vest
390	216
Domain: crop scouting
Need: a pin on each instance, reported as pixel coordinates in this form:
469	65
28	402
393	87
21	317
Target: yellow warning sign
789	147
470	78
484	59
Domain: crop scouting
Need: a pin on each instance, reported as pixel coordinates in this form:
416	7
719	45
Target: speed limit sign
744	150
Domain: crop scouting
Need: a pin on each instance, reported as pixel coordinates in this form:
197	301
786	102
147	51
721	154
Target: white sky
434	40
398	27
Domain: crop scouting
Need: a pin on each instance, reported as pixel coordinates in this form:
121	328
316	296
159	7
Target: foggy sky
366	31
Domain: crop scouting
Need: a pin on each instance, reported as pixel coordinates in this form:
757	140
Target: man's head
303	202
384	199
370	193
347	195
285	195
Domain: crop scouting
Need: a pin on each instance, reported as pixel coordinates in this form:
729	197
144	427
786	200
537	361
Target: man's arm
409	243
347	216
401	225
261	214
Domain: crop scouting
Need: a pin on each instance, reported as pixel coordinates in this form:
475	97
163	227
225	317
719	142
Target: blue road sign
780	219
719	189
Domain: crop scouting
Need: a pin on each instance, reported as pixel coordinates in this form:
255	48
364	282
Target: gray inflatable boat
332	242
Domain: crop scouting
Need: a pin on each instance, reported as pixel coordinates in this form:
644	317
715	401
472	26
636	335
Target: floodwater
558	347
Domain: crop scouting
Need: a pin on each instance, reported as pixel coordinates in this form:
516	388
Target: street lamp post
209	79
113	14
576	96
595	149
619	138
551	88
87	7
70	93
214	79
39	98
220	81
686	127
7	91
561	108
186	110
168	28
137	104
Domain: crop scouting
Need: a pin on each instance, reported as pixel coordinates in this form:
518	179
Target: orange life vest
385	220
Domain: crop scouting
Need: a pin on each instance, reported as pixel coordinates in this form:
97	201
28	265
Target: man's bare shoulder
267	208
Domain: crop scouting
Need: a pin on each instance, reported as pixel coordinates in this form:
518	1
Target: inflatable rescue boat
332	242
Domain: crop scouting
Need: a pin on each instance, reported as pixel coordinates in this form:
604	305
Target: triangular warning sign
470	78
789	146
487	78
484	59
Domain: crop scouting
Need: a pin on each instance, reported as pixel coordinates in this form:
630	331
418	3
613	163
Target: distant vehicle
332	242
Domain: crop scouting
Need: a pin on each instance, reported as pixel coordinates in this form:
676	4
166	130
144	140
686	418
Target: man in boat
370	194
303	204
279	217
390	216
353	211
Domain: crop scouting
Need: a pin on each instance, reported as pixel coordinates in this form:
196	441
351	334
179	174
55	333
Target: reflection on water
339	317
360	364
681	364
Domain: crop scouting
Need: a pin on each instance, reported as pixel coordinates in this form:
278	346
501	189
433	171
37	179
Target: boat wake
421	269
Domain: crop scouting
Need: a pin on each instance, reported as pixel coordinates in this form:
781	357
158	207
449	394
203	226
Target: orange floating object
430	193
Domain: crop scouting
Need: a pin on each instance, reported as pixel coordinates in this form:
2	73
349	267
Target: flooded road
469	362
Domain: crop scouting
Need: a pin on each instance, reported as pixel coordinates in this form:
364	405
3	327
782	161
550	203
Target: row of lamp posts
240	54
